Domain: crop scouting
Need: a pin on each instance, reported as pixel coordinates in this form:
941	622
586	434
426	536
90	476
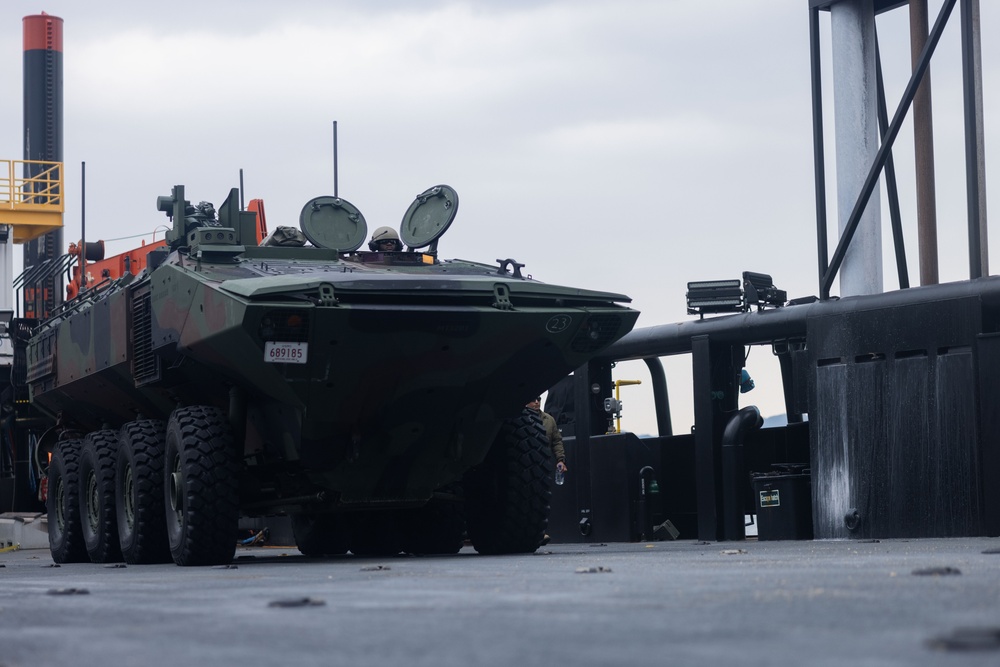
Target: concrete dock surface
888	602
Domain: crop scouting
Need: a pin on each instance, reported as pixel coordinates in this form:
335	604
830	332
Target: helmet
206	209
385	234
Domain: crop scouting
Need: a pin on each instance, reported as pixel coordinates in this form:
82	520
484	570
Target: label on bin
770	498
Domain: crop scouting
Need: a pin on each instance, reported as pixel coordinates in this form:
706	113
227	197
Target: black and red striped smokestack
43	140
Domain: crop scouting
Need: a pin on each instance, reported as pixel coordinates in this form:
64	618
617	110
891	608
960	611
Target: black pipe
735	483
819	169
787	323
661	400
890	176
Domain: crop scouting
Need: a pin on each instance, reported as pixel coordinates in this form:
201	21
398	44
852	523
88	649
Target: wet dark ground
893	602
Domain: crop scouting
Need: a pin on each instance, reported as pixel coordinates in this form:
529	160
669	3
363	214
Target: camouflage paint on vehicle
411	362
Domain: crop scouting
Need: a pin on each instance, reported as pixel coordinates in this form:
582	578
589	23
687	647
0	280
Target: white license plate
278	352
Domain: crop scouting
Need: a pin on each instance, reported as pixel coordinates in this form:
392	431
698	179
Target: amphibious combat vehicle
375	397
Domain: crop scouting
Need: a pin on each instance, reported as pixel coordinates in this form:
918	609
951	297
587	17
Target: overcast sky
630	146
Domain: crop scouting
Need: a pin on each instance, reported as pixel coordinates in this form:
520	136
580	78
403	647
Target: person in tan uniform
551	430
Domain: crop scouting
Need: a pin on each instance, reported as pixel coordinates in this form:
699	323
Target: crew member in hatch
385	239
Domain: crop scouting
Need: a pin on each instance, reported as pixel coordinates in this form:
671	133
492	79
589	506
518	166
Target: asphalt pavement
890	602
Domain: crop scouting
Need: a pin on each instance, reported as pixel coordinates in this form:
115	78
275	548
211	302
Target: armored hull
345	380
402	363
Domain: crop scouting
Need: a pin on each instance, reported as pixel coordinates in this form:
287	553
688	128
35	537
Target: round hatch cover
334	223
429	216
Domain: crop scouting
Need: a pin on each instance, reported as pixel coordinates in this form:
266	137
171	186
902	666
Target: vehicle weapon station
375	398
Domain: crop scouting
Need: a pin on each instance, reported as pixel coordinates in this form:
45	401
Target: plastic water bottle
560	477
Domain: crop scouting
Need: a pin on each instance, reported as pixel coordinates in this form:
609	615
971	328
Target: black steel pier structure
891	398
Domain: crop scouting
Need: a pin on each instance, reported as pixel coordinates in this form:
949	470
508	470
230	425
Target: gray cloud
629	146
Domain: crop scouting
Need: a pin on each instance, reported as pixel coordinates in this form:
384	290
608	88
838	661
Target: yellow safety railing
32	202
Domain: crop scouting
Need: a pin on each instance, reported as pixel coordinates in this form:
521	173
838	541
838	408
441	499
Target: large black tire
320	534
438	527
201	489
142	524
375	533
63	504
97	496
507	496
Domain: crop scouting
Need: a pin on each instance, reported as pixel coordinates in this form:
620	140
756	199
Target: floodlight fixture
714	296
759	291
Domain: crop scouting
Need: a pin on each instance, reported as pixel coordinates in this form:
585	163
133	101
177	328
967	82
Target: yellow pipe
618	385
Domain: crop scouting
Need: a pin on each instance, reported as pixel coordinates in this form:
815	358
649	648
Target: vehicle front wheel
201	494
507	496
